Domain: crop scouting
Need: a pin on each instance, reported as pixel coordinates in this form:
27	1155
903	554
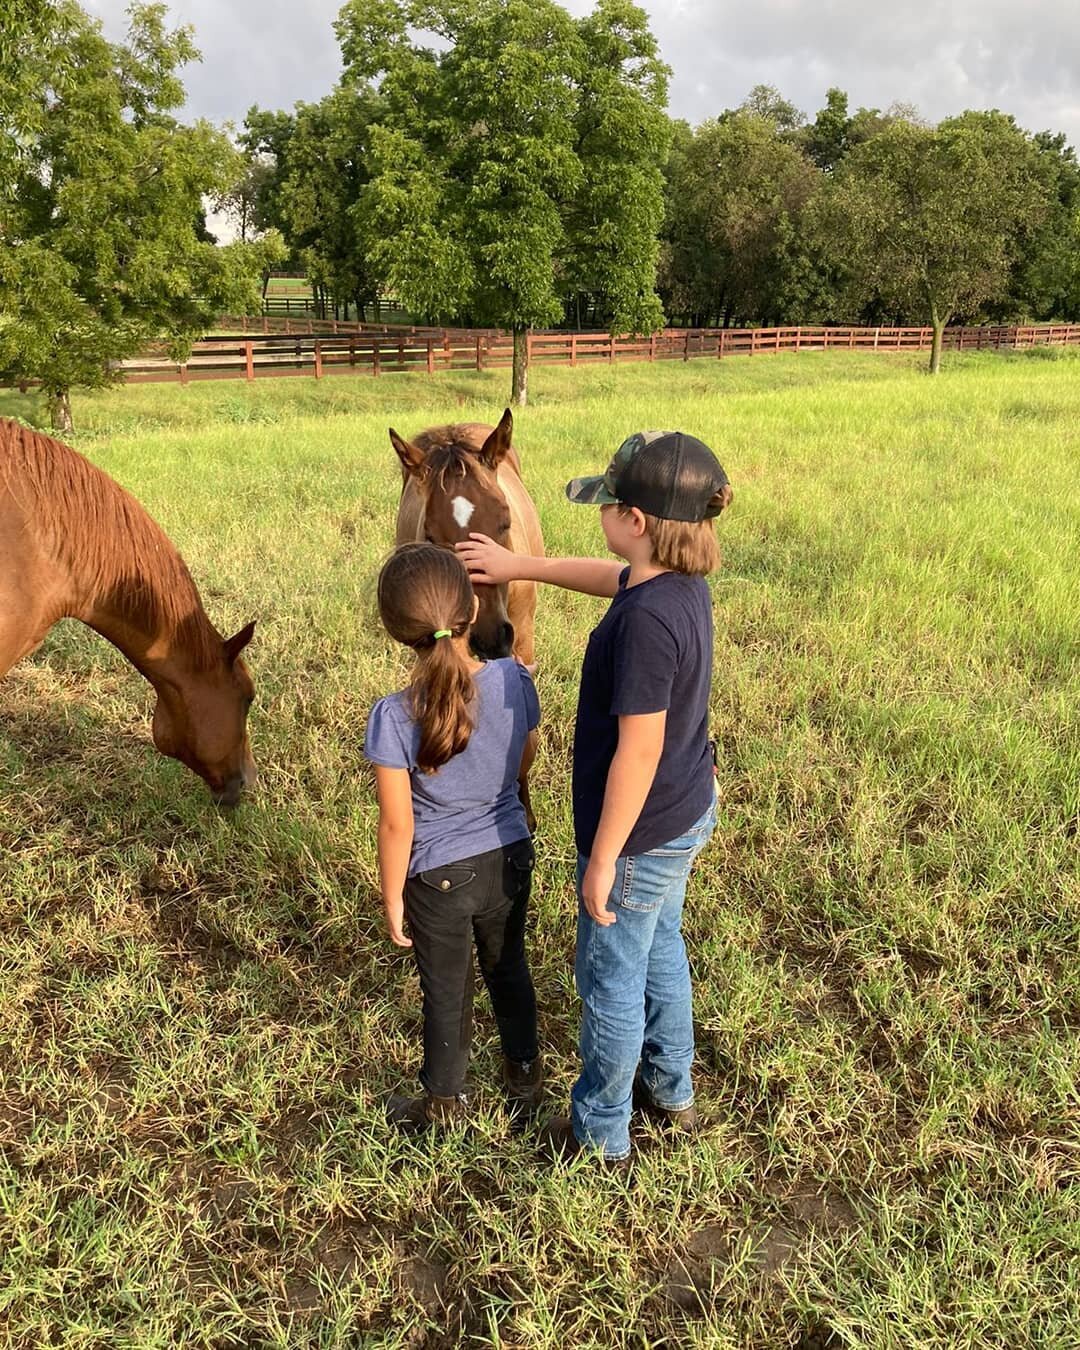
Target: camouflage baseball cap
667	474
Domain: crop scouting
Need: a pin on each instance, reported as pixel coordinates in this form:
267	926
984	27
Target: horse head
460	495
201	720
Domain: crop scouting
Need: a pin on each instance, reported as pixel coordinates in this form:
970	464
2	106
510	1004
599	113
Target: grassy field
200	1017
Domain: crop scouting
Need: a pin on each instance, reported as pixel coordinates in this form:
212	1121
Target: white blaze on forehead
463	509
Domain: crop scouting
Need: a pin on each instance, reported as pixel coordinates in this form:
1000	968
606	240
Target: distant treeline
494	163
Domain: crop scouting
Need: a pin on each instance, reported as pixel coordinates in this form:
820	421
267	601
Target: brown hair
424	590
686	546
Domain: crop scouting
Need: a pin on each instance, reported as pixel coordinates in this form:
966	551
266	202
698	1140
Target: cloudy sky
1022	56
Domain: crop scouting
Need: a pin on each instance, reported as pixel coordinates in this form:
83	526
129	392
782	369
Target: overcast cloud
1022	56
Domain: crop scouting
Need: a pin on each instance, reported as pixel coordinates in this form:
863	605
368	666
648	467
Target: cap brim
590	492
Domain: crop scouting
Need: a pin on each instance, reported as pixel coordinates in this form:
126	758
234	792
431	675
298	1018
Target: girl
455	855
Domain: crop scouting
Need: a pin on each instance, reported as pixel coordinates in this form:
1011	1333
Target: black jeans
483	900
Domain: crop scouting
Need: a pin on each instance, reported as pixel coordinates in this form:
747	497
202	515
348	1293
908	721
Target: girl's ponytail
424	591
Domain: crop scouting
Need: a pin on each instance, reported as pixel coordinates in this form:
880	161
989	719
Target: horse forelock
113	548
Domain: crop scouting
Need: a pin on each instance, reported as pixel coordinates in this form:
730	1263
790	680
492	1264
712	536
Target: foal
464	478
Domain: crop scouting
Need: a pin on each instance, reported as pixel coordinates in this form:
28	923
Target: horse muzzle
494	645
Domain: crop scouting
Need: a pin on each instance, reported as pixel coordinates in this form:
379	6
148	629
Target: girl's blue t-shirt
470	805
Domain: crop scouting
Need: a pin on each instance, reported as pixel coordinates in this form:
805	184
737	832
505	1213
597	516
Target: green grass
200	1017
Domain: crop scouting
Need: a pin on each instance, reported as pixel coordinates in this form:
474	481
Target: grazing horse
74	544
466	478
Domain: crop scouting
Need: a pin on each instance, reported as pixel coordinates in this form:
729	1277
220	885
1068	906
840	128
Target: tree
623	133
767	103
328	168
101	205
240	202
736	198
826	139
1046	281
473	155
477	204
265	141
933	219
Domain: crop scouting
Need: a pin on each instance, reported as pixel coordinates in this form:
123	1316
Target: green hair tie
443	632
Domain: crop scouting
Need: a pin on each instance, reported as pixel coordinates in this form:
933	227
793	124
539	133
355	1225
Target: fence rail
330	347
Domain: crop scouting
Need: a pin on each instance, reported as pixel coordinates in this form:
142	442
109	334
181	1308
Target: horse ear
497	445
236	644
412	460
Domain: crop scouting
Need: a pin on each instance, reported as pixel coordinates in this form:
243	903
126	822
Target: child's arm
395	845
528	754
633	768
491	564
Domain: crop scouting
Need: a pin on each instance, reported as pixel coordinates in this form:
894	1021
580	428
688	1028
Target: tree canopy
933	219
101	204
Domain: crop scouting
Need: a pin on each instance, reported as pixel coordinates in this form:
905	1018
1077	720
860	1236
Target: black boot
524	1089
414	1115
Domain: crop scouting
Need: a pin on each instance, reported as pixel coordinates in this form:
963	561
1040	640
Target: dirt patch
425	1282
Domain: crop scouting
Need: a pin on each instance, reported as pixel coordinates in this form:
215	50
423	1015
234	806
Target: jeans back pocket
446	880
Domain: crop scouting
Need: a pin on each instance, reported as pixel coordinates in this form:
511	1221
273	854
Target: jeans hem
665	1106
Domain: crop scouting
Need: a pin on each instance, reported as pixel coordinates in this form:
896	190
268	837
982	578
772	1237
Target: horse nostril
507	638
231	793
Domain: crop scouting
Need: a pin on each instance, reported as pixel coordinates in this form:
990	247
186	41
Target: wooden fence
329	347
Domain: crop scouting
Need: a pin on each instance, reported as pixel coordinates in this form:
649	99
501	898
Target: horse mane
451	451
105	538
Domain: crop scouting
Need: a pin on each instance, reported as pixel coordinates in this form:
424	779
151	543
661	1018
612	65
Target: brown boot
524	1089
684	1121
414	1115
558	1141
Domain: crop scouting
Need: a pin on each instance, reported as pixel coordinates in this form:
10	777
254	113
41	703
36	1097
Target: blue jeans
634	982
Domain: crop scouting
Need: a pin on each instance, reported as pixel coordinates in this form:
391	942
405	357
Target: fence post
720	345
447	358
318	359
430	357
288	325
352	351
686	346
183	373
479	353
877	334
376	365
265	327
611	349
573	349
249	360
652	346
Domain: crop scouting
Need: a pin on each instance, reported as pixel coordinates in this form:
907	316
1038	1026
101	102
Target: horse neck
165	653
150	610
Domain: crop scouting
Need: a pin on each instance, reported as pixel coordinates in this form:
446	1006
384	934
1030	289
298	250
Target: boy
643	781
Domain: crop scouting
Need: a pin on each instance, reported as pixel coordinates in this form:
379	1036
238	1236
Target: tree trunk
935	347
519	392
61	412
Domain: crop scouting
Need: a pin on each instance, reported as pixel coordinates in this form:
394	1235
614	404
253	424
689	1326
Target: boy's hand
596	887
487	562
395	921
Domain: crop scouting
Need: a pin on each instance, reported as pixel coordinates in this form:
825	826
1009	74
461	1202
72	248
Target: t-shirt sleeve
384	741
532	701
646	660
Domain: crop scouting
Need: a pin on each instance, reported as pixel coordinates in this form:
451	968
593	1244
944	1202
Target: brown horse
466	478
74	544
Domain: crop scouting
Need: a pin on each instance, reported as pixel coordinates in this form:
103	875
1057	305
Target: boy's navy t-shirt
651	652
